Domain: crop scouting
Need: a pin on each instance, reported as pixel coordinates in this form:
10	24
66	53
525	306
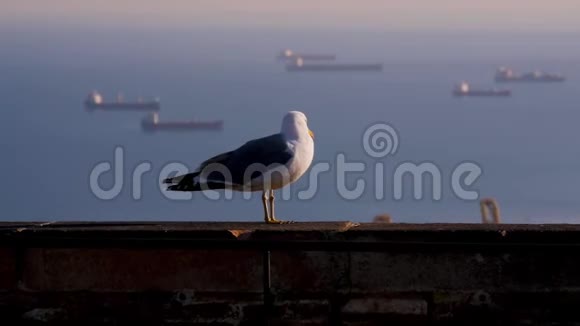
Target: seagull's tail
187	182
173	180
179	187
196	187
182	182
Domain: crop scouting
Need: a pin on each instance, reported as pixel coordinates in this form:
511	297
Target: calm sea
526	145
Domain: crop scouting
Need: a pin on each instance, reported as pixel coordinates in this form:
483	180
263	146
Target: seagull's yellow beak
311	133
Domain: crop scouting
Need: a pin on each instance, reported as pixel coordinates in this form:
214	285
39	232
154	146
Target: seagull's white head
295	125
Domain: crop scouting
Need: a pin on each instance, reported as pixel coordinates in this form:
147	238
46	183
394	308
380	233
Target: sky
519	15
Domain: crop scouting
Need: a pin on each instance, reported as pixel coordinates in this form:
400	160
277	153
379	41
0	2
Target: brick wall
301	274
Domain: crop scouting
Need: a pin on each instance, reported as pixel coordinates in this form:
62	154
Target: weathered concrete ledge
337	273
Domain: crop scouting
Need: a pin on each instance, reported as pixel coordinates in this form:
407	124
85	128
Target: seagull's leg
272	216
265	203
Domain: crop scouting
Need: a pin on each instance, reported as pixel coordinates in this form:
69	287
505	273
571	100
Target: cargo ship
504	74
291	55
298	65
95	101
464	89
151	123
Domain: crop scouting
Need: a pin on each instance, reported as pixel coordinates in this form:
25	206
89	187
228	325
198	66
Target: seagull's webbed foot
273	220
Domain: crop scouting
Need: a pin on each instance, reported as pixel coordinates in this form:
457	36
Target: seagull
264	164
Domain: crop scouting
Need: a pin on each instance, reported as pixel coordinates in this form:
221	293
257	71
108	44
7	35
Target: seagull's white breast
302	158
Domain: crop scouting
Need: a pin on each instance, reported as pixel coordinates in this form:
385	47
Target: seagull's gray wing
258	154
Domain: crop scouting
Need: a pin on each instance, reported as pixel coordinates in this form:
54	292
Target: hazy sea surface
527	145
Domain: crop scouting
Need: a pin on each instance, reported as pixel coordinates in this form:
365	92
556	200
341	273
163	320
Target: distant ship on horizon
95	101
464	89
291	55
298	65
504	74
151	123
